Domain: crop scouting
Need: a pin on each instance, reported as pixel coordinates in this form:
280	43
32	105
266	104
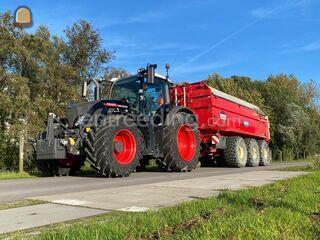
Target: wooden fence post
21	152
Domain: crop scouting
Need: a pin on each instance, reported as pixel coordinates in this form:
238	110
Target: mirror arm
84	89
97	90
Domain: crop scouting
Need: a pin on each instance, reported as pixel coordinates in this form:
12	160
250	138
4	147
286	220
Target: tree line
41	73
291	105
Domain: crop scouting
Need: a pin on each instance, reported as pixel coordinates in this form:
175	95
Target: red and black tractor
146	117
121	132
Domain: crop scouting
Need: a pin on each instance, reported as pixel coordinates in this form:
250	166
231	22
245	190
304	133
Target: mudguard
170	116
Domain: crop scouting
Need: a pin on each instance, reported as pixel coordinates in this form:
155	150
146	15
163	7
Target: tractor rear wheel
264	150
181	144
253	152
235	153
117	147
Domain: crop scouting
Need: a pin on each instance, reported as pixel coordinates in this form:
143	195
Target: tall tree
84	51
111	73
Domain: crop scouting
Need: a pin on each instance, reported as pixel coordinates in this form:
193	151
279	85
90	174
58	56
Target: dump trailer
145	116
232	131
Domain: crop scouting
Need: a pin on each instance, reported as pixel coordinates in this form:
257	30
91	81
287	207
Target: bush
315	161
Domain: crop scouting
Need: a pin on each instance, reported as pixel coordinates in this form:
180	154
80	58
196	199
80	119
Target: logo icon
23	17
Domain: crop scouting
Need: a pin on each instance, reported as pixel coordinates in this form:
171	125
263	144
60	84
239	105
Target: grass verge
288	209
22	203
15	175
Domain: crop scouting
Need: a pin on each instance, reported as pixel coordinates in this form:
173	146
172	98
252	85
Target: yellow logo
23	17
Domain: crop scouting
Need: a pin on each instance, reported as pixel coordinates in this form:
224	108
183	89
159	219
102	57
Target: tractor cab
143	98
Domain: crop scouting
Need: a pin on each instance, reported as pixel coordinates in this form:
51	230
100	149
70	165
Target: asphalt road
14	190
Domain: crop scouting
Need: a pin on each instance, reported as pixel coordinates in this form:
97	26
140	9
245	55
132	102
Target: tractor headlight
79	120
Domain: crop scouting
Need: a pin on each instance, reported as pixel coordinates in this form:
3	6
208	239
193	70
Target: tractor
119	133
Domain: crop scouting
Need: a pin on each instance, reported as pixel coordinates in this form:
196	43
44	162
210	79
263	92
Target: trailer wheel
253	152
181	144
235	153
264	153
117	147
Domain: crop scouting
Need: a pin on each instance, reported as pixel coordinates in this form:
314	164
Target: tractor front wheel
117	147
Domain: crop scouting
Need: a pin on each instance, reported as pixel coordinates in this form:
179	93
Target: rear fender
170	116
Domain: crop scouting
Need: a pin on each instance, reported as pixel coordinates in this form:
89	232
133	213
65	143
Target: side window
155	98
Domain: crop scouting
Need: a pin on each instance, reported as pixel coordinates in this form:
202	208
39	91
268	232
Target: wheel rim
186	143
240	152
254	153
265	154
124	146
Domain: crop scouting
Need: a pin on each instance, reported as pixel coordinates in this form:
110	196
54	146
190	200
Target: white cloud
119	41
174	46
310	47
145	17
286	6
210	67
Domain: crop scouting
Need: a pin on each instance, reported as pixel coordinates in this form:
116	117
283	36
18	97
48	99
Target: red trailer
229	127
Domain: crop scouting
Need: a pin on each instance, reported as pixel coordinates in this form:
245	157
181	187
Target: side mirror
84	89
151	73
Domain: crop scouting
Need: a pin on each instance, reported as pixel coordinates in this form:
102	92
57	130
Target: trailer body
220	115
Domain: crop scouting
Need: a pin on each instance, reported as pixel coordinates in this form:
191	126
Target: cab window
155	96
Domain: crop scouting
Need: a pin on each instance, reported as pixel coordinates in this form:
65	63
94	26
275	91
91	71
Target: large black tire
179	157
265	156
235	153
105	152
253	152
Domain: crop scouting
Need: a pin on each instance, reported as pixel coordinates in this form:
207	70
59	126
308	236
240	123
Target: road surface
14	190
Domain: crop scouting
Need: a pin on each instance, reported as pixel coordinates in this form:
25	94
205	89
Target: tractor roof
136	75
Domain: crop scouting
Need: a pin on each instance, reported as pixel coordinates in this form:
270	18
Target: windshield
128	89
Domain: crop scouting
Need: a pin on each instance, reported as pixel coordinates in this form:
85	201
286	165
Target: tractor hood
89	109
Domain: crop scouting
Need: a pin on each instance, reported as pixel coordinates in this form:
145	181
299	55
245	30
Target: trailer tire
235	153
253	152
117	147
181	144
265	155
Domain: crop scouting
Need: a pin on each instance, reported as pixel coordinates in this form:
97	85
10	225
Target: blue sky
254	38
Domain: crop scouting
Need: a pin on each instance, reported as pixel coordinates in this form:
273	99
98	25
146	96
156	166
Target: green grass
307	168
22	203
15	175
288	209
